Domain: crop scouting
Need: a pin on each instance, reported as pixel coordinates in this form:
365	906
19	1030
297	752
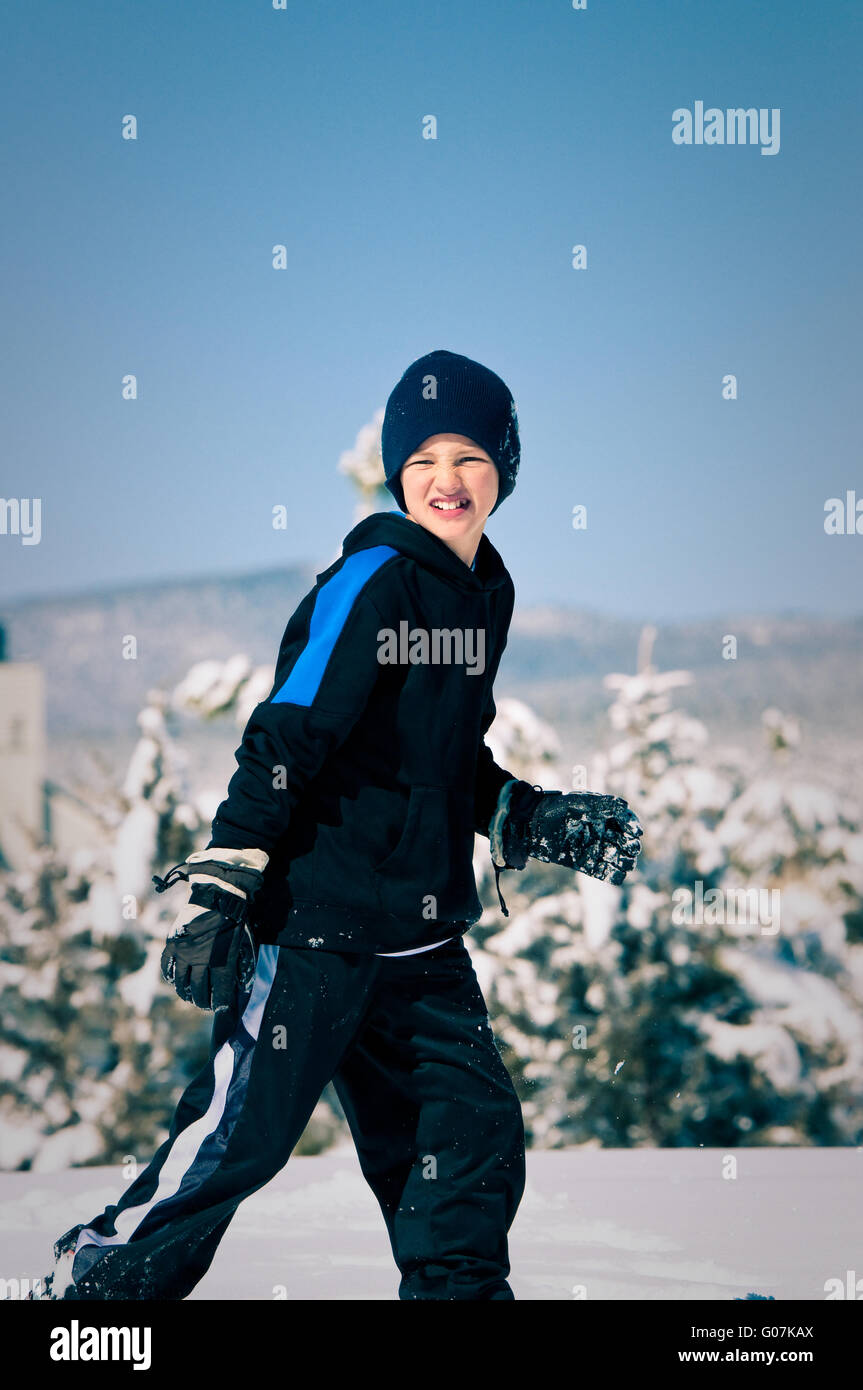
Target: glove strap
163	883
503	907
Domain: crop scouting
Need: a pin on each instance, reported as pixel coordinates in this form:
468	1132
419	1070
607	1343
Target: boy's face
450	485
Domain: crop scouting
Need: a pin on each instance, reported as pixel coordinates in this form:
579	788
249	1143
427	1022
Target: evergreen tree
93	1043
626	1024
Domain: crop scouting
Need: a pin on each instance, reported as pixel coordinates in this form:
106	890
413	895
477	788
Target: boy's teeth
448	506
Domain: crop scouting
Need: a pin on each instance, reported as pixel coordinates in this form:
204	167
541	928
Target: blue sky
303	126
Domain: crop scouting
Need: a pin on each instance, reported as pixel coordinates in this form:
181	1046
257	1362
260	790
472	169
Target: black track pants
436	1121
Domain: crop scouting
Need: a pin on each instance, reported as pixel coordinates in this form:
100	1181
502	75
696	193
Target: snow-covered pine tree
95	1047
94	1044
624	1026
364	466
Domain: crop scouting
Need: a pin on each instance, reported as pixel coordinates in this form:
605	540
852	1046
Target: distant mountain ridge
556	657
78	639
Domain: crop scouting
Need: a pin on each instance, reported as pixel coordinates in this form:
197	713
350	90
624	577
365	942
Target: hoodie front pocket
429	872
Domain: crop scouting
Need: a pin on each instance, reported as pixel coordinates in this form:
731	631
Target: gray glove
593	833
212	949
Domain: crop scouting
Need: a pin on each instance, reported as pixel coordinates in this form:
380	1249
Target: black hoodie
365	774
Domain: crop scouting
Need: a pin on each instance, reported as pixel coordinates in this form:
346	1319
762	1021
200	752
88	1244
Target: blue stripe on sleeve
332	606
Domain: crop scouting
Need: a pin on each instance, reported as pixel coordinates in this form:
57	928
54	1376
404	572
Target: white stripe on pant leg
183	1152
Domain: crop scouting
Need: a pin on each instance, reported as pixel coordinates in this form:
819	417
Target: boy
325	918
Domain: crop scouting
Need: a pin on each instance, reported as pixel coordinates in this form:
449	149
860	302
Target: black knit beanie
445	393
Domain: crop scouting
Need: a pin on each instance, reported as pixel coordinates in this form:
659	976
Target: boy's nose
448	478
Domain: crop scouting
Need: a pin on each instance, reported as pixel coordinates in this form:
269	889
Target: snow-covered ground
621	1223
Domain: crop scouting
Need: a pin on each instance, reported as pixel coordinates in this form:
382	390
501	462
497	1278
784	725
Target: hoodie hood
427	549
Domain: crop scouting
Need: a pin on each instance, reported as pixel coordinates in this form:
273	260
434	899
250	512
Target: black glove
212	949
591	832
